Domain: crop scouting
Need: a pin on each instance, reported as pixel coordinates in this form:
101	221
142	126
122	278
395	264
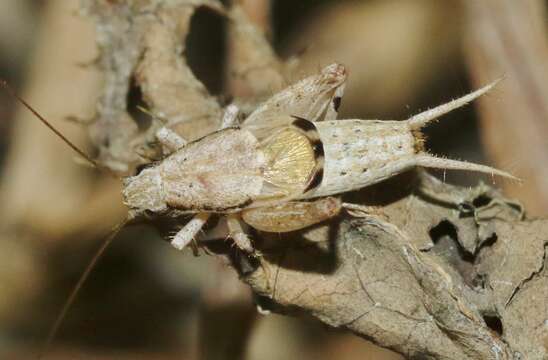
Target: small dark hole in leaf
134	101
466	209
490	241
482	200
444	228
494	323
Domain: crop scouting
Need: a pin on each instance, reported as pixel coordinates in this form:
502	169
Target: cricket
277	170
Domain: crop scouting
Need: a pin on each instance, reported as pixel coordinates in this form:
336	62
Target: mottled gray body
227	170
359	153
220	172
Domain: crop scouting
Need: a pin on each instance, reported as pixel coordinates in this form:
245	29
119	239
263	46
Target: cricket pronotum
279	169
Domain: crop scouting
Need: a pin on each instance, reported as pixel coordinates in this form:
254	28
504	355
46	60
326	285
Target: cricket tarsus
12	92
74	293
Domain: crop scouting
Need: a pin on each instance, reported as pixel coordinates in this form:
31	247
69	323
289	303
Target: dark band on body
316	180
212	209
304	124
309	129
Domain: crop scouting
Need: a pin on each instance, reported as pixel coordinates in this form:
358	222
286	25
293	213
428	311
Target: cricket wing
294	160
231	169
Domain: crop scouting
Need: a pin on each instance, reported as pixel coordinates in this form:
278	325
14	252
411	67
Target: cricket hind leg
189	231
293	215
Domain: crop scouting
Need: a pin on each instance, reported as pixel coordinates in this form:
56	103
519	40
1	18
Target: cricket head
143	193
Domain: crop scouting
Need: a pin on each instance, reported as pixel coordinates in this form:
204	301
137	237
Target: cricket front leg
189	231
293	215
230	116
170	140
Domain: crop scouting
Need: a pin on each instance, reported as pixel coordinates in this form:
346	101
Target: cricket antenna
76	289
6	86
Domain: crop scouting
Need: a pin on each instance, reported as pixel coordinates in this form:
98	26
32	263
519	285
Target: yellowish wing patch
290	159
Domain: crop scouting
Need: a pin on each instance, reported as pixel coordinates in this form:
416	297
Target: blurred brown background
148	301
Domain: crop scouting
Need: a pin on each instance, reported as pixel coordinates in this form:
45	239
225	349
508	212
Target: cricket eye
149	213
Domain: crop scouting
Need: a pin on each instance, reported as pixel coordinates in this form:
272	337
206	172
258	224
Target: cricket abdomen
359	153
